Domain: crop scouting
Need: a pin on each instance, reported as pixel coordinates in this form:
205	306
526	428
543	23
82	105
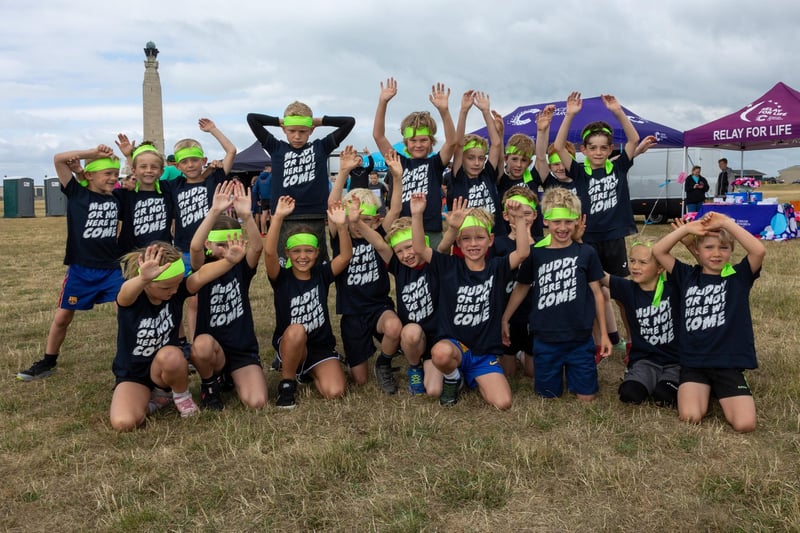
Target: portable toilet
55	201
18	198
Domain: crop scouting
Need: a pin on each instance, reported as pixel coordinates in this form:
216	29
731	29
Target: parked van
653	180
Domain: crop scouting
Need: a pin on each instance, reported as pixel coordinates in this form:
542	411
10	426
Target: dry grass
369	462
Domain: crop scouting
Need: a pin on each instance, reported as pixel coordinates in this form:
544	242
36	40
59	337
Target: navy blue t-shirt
562	307
146	216
551	181
424	175
417	295
190	203
91	227
363	287
716	329
503	246
301	301
501	227
223	310
606	200
479	192
143	328
653	329
471	303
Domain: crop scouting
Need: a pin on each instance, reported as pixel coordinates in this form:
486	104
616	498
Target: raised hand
337	213
237	247
353	210
458	212
223	197
467	99
241	198
418	203
499	123
150	266
611	103
545	117
481	100
439	96
125	145
388	91
285	206
392	159
206	124
574	103
349	159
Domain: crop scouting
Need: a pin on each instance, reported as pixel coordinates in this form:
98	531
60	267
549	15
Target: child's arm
467	99
207	125
543	120
126	147
574	105
521	237
514	300
631	135
343	125
257	123
337	216
600	316
687	241
396	202
754	247
379	126
662	248
242	203
63	160
455	217
149	269
211	271
418	203
375	239
223	199
645	144
439	96
500	126
284	208
348	160
495	138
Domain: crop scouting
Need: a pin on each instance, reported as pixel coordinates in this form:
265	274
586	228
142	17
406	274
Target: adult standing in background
726	176
264	184
696	187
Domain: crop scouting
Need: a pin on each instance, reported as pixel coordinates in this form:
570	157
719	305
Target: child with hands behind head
149	361
566	299
362	290
225	347
471	291
650	302
303	335
92	253
716	328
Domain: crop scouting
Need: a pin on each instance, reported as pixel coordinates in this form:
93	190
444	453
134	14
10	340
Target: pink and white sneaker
186	407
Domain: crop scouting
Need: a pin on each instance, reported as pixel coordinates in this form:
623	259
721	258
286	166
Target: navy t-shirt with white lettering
363	287
653	329
190	203
223	310
471	302
716	329
91	227
479	192
417	294
146	216
143	328
562	307
424	175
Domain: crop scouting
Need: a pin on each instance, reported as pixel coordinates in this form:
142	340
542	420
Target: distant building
748	173
789	174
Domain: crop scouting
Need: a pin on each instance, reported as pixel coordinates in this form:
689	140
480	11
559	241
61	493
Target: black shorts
138	373
234	360
521	339
313	358
724	382
357	334
265	206
613	256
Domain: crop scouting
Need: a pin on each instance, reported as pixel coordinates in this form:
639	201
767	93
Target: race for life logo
764	111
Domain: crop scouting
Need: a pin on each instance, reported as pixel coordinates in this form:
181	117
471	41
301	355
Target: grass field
371	462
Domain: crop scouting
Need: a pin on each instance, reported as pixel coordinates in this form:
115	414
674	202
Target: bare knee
502	403
126	421
331	390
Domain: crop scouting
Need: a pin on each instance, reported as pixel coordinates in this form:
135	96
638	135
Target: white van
653	180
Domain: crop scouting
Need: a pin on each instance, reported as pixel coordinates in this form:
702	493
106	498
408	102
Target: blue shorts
551	360
473	366
84	286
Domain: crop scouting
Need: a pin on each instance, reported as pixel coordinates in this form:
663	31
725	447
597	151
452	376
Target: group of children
470	296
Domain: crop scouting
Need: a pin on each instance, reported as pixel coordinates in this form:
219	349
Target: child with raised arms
303	336
471	290
145	213
92	253
300	167
565	276
149	361
225	347
420	172
716	329
650	302
362	290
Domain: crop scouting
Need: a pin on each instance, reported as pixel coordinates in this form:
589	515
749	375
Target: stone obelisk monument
151	99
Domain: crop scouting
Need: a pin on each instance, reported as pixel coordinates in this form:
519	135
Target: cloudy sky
71	72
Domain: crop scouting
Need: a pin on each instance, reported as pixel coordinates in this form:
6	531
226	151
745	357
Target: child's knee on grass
445	356
128	406
170	369
740	412
495	390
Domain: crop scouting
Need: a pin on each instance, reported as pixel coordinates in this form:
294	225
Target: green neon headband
190	151
302	239
221	235
588	167
524	201
369	210
404	235
175	268
143	148
527	177
514	150
560	213
727	270
298	120
545	242
471	221
102	164
659	289
410	131
587	132
157	186
474	143
553	159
